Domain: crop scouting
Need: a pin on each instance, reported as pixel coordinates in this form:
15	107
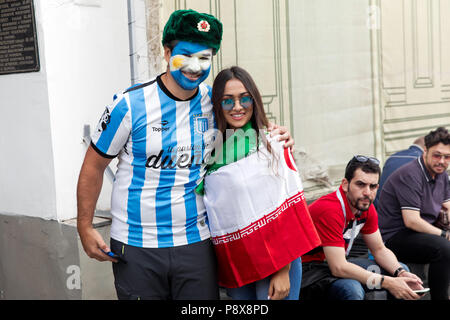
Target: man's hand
406	274
284	135
279	284
447	235
402	287
88	189
93	244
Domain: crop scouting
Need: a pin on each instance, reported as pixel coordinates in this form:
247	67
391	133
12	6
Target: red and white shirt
336	224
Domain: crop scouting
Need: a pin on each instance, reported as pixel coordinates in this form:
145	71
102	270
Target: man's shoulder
325	203
205	89
409	175
205	85
411	168
402	157
412	151
371	213
138	86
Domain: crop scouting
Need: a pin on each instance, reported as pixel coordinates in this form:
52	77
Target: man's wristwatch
381	281
444	234
398	271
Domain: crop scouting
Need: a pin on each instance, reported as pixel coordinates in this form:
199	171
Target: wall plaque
18	41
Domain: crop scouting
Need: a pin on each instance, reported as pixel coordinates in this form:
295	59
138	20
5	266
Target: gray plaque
18	41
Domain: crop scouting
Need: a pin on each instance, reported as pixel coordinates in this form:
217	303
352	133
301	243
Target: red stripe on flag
258	253
288	159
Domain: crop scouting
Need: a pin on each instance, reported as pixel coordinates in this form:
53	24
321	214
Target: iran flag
258	216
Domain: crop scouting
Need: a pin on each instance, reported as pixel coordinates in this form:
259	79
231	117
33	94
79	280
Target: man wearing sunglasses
338	218
409	205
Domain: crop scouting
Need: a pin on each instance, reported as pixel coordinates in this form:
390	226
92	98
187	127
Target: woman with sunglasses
257	214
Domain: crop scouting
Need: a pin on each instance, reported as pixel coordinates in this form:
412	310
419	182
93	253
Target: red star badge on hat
203	26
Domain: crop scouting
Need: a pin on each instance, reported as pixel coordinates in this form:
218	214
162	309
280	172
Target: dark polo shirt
411	187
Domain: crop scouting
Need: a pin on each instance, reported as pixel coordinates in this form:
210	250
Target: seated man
338	218
399	159
410	203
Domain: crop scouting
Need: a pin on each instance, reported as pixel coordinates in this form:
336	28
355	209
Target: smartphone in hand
114	256
421	292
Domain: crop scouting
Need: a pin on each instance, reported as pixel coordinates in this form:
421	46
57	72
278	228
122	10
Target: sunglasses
364	159
438	157
229	103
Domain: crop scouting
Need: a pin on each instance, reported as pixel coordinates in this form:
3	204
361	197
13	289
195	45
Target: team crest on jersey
201	124
104	120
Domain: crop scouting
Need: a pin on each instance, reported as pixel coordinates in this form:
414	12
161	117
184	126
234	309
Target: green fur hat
192	26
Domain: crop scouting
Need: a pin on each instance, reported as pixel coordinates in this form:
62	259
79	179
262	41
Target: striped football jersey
161	144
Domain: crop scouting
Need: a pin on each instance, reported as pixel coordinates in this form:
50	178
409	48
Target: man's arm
341	268
412	220
386	259
88	190
447	205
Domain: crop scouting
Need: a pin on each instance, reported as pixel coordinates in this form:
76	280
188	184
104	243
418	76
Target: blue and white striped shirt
161	144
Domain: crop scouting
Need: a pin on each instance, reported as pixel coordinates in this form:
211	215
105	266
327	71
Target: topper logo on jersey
163	123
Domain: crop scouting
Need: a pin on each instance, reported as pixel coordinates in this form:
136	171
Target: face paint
190	64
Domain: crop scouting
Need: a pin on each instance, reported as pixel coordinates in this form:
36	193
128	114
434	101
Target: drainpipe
132	41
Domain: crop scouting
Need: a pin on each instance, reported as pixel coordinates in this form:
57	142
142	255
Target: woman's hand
279	284
284	135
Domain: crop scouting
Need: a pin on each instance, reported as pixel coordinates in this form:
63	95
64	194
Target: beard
434	168
358	202
438	168
362	206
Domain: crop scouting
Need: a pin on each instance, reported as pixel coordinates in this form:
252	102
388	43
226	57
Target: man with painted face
161	132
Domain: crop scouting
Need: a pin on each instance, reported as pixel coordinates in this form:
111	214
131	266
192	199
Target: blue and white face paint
190	64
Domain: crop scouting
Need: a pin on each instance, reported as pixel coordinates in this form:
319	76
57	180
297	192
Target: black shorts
180	273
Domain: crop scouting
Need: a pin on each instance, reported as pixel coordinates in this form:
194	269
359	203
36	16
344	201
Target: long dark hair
259	118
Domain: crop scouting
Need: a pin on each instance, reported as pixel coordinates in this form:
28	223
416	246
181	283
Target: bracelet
398	271
444	234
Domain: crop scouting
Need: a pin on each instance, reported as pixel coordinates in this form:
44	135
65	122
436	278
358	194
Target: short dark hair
368	166
440	135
